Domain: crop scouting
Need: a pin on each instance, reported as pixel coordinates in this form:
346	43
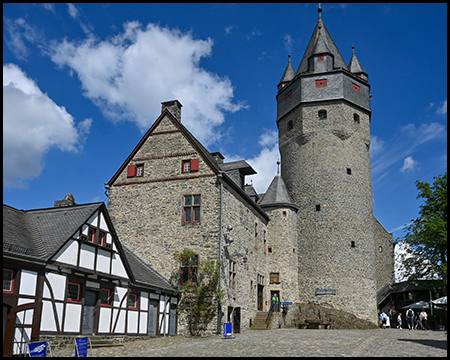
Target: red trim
355	87
320	83
194	165
131	172
320	58
102	236
79	291
135	303
93	234
12	281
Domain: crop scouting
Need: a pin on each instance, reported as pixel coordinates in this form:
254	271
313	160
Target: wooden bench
316	324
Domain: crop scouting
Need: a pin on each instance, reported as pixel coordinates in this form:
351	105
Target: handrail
269	315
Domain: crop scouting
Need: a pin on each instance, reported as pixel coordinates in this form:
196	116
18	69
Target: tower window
320	83
322	114
353	244
288	96
356	118
317	207
349	171
320	58
290	125
355	87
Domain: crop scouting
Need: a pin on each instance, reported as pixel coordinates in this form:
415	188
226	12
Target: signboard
38	349
325	292
285	303
227	330
81	346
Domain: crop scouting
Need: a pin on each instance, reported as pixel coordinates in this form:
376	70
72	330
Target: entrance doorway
260	297
272	294
90	299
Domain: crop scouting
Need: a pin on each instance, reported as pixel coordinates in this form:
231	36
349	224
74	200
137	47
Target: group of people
415	321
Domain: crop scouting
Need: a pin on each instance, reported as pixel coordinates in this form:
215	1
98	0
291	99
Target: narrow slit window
317	207
356	118
322	114
353	244
349	171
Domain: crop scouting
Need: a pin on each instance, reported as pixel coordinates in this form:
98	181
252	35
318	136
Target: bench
316	324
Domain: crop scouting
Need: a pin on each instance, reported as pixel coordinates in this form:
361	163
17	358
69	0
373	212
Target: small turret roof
355	66
321	42
277	194
289	73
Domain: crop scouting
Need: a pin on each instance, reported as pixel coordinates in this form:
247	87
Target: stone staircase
259	322
98	341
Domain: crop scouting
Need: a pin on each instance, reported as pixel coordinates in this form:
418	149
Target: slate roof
38	234
277	194
289	73
241	165
321	42
355	66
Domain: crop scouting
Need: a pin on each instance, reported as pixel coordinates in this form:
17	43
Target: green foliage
200	301
427	235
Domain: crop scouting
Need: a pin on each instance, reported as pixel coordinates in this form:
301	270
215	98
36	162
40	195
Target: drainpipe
220	176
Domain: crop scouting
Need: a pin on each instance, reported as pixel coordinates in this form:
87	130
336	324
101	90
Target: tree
427	235
201	293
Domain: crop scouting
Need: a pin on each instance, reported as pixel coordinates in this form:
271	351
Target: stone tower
323	118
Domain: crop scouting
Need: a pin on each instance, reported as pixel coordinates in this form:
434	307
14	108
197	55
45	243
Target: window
189	272
355	87
191	209
352	244
264	239
91	235
8	280
74	291
317	207
288	95
356	118
322	114
349	171
135	170
290	125
269	249
256	235
105	296
274	278
132	301
189	165
232	274
320	83
320	58
102	238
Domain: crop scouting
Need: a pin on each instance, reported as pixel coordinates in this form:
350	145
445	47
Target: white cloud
228	29
129	75
409	164
19	31
376	146
73	11
265	163
32	124
443	108
287	42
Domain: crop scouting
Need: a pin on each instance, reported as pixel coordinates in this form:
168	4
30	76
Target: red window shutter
320	83
320	58
194	165
131	171
355	87
288	96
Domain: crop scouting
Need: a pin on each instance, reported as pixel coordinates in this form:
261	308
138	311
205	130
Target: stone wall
384	255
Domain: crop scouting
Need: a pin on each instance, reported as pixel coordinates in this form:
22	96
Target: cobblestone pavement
289	342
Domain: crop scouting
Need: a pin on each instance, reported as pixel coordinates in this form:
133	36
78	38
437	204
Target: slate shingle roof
277	194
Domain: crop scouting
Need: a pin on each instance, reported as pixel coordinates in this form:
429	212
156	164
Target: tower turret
356	68
324	138
288	75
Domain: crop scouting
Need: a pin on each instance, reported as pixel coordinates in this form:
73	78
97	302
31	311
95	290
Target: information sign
81	346
285	303
227	330
38	349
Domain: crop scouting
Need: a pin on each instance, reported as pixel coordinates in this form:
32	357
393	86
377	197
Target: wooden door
90	299
152	317
260	297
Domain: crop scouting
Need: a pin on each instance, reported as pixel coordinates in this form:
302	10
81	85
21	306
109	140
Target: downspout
219	176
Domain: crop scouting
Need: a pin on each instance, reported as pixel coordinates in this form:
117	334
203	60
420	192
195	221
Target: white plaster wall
93	220
119	293
132	322
103	225
87	256
68	253
103	261
72	320
120	327
22	301
117	266
104	320
47	318
144	301
58	284
28	281
143	322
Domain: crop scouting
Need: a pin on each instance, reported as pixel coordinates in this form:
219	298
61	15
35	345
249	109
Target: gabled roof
321	42
40	233
355	66
277	195
241	165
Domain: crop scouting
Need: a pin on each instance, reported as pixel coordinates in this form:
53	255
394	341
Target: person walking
418	323
424	317
410	319
399	321
383	318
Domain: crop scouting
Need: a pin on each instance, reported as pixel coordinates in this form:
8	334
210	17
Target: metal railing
269	315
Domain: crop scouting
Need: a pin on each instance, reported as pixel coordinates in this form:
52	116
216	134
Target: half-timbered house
66	273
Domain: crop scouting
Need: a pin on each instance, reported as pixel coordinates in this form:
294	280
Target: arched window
290	125
356	118
322	114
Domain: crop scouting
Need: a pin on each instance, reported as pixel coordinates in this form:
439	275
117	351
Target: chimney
174	106
218	156
69	200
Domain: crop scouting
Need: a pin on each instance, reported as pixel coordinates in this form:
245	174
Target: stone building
311	238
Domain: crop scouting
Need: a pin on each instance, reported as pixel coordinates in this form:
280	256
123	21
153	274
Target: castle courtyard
288	342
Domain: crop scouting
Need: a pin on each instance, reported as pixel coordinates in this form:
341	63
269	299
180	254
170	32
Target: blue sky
83	82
